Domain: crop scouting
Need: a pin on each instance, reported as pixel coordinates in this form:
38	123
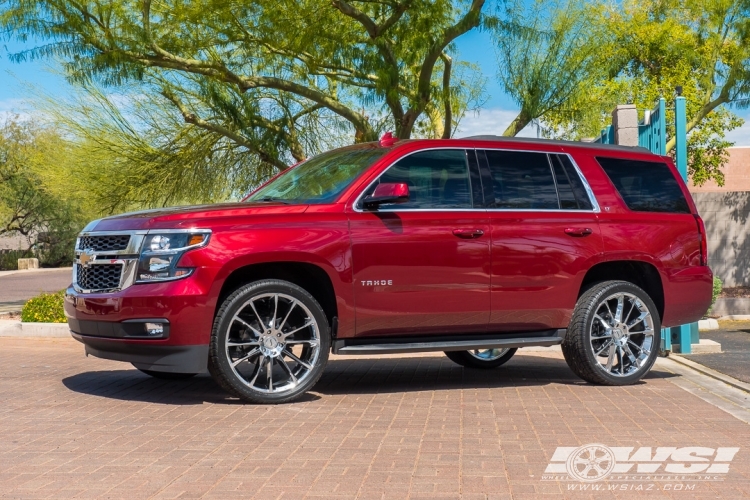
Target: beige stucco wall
726	217
725	211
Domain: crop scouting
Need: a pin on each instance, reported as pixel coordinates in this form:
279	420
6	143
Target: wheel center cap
270	345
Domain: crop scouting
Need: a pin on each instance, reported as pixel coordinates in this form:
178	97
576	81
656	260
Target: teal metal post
683	333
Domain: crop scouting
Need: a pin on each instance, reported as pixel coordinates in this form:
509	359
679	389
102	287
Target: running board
340	347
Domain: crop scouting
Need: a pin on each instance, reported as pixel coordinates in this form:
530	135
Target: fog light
154	328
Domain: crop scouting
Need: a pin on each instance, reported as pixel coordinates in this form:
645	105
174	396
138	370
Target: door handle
578	231
468	233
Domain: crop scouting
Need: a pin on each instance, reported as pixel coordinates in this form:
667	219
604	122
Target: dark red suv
475	247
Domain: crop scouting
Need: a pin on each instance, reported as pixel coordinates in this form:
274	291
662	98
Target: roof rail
577	144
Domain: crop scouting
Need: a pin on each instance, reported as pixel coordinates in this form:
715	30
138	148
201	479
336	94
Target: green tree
31	202
253	72
197	101
699	45
547	51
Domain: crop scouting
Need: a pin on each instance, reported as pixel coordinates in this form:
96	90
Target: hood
189	216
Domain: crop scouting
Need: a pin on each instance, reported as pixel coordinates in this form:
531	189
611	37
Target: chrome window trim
590	192
127	258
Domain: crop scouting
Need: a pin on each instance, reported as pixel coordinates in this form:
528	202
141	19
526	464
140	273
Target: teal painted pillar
661	146
683	333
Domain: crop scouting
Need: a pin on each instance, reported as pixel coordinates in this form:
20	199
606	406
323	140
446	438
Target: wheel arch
311	277
642	274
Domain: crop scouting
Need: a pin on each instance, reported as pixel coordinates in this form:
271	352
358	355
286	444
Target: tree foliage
223	93
546	52
31	203
699	45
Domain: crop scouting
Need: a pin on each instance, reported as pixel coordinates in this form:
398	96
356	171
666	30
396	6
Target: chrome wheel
488	354
622	335
272	343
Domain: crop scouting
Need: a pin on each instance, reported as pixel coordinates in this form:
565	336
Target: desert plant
44	308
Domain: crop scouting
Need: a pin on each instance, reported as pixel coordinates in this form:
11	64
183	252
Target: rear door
422	267
545	235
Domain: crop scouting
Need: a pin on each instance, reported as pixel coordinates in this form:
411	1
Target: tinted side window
646	186
522	180
573	195
436	179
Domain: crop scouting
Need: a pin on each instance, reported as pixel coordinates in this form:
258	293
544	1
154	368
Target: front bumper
161	358
111	325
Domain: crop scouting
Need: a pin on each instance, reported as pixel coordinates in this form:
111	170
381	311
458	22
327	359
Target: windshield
320	179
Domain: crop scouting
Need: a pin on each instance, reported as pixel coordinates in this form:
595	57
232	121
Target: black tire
243	322
588	335
469	360
167	375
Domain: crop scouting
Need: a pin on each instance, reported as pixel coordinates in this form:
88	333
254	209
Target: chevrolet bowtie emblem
87	257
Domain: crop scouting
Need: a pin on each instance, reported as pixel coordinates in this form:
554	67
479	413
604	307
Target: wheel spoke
256	332
604	346
288	334
288	370
611	357
269	373
248	355
630	355
295	358
294	304
241	344
603	321
252	306
641	317
620	305
275	310
257	372
312	342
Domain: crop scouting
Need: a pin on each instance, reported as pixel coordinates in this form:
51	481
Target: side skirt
448	343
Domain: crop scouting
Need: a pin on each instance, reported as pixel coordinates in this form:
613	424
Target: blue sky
17	81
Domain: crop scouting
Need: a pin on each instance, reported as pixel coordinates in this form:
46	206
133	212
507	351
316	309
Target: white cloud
491	121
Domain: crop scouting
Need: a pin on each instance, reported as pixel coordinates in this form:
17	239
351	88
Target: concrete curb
708	324
34	271
735	317
18	329
737	384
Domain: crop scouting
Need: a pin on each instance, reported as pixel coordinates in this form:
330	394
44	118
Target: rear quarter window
645	186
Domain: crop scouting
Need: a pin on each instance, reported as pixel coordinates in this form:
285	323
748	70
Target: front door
545	236
422	267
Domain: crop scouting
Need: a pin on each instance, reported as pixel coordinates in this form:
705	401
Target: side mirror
387	193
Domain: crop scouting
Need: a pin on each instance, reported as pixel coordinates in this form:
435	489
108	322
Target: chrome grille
98	277
107	243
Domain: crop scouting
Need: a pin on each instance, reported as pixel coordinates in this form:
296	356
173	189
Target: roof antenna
388	140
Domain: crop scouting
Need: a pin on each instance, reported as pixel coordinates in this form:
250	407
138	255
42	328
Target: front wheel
613	337
269	343
482	358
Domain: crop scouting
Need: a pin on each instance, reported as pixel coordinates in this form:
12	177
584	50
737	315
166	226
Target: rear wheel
482	358
613	337
270	342
167	375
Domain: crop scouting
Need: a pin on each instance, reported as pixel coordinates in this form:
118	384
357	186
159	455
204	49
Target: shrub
44	308
9	259
718	285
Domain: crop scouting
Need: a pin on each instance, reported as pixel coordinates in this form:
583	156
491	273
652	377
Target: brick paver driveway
392	428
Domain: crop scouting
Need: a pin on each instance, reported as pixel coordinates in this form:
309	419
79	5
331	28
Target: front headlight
161	252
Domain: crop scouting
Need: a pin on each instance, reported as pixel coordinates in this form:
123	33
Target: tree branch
193	119
448	112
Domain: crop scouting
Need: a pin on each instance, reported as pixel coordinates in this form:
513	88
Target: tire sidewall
589	320
231	306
